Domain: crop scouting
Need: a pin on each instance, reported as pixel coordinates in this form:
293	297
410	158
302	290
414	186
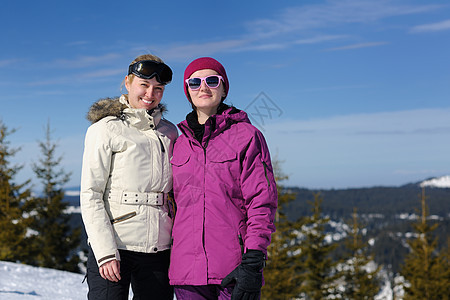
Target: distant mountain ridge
438	182
386	212
389	201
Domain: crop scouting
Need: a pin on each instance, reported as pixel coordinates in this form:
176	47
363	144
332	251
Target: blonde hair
147	57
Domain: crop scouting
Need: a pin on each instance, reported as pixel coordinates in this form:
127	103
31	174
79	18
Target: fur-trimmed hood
114	107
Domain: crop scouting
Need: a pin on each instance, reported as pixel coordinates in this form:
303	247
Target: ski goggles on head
212	81
147	69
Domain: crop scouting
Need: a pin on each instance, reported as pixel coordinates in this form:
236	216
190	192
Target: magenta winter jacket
226	198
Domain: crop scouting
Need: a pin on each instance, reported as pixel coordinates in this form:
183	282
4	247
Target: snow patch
73	210
439	182
19	281
72	193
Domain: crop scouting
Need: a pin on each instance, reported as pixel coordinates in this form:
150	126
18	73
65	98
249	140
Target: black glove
248	276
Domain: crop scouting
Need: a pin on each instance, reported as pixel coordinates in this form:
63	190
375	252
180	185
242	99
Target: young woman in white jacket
126	177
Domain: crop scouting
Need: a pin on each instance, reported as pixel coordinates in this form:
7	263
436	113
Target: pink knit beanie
205	63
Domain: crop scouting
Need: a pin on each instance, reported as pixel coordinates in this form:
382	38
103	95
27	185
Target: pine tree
280	275
317	272
14	204
425	270
444	257
56	241
360	282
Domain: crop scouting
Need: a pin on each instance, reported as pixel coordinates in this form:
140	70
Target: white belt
136	198
150	198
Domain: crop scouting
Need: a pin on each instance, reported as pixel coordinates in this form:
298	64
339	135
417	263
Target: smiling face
206	99
144	93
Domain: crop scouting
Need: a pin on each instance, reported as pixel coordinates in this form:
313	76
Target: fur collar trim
112	107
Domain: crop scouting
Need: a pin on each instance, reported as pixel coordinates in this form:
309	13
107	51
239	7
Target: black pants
146	272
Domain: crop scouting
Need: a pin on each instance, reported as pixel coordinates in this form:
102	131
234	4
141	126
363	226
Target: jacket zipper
204	199
160	142
162	145
185	129
123	218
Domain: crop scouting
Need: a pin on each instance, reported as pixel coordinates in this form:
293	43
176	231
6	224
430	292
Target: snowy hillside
18	281
438	182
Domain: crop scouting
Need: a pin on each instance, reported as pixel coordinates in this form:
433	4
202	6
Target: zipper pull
241	243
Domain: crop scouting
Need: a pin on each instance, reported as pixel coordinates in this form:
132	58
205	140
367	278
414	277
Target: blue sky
348	93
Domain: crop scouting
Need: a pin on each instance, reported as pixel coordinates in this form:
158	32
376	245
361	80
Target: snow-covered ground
18	281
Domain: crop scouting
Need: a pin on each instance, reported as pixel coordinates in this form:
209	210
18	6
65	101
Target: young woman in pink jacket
225	193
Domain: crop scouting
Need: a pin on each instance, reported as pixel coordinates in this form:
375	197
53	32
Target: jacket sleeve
259	192
94	176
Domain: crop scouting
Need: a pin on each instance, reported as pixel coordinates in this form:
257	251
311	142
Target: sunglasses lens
194	83
212	81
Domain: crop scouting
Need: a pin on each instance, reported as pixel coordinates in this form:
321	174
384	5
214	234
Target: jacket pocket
182	171
123	217
224	165
181	159
222	156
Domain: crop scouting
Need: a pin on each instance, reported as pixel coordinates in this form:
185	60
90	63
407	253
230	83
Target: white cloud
302	19
86	61
440	26
357	46
77	43
71	79
7	62
335	88
262	47
332	13
103	73
181	52
319	39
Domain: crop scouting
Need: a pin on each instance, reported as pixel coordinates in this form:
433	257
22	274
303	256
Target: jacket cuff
257	243
108	258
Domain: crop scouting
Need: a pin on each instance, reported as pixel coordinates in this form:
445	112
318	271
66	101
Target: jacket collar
141	118
119	108
216	123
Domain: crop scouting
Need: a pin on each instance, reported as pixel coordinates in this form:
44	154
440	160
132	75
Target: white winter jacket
125	178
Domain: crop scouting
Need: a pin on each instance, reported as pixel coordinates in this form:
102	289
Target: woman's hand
248	276
110	270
